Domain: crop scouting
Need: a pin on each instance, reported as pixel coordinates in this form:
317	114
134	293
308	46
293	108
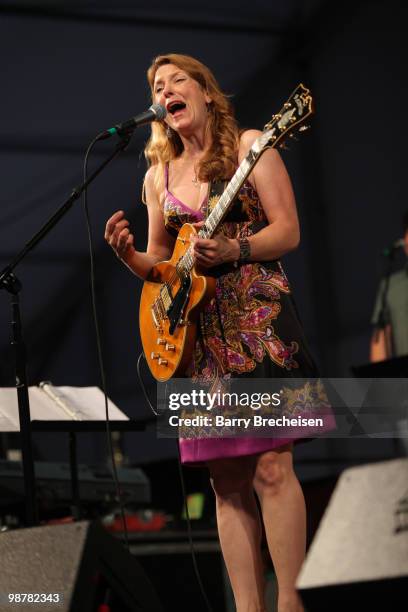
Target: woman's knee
273	471
229	476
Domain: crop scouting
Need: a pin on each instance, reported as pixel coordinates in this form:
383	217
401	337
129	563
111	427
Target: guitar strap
237	211
215	191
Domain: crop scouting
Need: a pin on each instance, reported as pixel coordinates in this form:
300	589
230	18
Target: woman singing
250	328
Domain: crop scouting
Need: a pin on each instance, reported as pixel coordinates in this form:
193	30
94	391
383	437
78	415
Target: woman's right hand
118	236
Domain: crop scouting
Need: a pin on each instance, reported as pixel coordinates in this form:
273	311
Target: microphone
156	112
398	244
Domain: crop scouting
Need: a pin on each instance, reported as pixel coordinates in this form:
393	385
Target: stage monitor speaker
358	559
79	561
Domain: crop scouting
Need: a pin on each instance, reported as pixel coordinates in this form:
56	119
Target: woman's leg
284	516
239	529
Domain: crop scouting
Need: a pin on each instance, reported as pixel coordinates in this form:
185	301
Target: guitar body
169	309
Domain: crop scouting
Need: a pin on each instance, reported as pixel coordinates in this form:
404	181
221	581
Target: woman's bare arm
272	183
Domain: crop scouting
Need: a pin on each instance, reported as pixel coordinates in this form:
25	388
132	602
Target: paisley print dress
249	329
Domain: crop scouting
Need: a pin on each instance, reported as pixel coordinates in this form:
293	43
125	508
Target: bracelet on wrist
244	251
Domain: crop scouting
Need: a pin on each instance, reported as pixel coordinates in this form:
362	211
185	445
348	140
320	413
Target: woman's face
184	99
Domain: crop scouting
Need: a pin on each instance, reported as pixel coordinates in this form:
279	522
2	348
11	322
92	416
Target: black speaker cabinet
79	563
166	559
358	559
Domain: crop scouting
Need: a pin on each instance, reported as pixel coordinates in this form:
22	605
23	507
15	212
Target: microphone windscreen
159	111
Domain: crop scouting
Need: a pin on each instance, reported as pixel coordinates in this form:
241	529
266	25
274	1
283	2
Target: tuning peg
293	137
303	128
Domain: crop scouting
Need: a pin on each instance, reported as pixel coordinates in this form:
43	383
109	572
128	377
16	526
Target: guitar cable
184	493
139	375
99	345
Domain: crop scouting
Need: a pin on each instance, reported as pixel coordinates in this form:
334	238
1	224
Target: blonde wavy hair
220	160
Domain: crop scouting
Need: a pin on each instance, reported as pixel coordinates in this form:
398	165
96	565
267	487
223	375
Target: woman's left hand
210	252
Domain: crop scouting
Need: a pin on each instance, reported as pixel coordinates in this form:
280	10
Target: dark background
70	71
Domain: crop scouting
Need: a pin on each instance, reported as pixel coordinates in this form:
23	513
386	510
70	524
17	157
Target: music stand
66	409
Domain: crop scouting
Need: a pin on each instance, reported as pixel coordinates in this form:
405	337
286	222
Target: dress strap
166	176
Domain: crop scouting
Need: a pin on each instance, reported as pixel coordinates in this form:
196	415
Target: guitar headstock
291	118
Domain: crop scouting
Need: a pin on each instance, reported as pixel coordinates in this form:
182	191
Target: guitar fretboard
219	211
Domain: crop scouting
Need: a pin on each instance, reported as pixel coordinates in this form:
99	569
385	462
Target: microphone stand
10	283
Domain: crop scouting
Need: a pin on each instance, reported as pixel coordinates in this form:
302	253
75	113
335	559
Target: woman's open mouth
175	108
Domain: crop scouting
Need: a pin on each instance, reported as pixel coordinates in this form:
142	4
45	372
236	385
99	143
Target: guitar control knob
161	341
154	355
162	361
170	347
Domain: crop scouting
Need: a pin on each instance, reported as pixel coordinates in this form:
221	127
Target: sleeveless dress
249	329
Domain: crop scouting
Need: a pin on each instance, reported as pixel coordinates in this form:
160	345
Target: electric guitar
175	291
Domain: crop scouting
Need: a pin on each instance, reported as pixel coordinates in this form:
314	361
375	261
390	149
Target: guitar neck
218	213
